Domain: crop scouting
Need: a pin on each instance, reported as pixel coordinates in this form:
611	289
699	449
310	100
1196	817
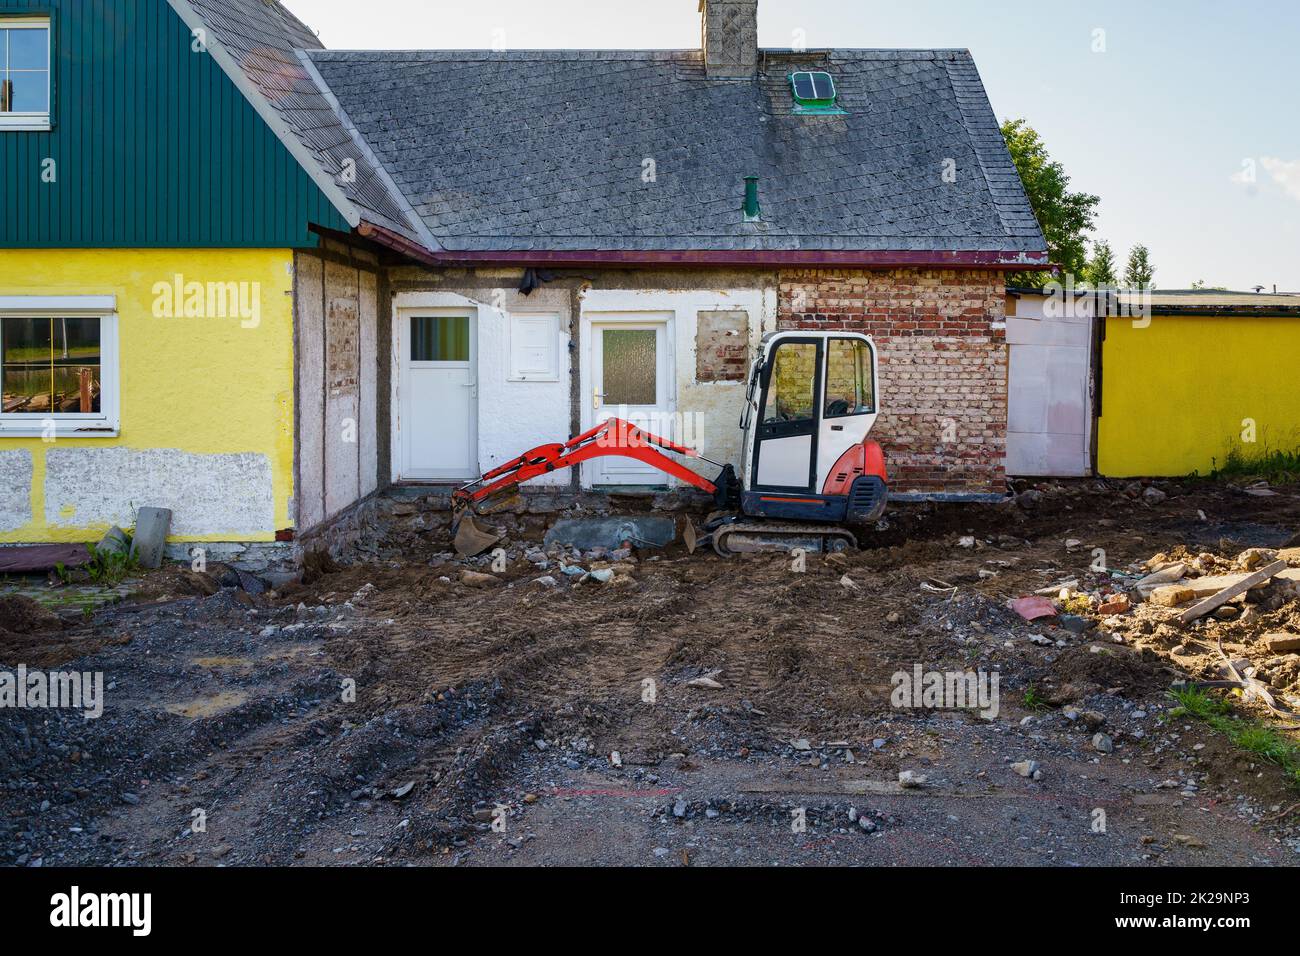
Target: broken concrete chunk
1282	643
151	527
1166	575
1252	558
1172	595
114	542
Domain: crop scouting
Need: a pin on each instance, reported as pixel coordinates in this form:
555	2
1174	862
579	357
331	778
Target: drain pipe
751	199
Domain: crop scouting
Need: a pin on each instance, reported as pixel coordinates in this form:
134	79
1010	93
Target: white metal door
631	378
438	396
1049	418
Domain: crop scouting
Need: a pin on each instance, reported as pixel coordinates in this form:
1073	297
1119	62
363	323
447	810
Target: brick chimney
730	30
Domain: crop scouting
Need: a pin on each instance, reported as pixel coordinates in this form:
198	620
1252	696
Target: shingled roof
257	42
547	150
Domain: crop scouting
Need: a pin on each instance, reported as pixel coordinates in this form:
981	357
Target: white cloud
1285	174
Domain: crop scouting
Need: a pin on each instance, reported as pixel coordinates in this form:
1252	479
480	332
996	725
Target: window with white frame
58	365
24	73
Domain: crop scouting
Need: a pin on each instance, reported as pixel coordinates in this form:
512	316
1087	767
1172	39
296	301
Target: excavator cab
809	408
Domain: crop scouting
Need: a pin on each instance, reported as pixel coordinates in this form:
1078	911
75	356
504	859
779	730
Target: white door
1049	417
438	395
631	379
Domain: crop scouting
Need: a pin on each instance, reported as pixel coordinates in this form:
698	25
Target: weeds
1247	734
111	567
1274	465
1034	700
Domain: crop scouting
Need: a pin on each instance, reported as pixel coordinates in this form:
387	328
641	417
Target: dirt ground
395	715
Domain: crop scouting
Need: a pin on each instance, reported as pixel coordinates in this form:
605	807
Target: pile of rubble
1230	622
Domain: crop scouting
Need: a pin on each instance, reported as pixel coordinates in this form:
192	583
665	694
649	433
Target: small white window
25	71
534	347
58	366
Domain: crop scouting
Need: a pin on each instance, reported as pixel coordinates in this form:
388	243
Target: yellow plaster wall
1178	394
203	386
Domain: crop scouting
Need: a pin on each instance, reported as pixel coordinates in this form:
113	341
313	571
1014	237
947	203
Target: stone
476	579
1172	595
910	779
1154	495
546	581
1093	719
1026	768
679	808
1282	643
1102	743
1074	623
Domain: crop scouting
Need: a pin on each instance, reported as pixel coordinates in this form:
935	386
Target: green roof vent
750	207
814	92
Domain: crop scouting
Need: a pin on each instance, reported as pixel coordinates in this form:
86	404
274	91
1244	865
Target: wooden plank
1227	594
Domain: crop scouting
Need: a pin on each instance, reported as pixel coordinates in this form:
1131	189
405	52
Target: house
465	254
154	206
1164	383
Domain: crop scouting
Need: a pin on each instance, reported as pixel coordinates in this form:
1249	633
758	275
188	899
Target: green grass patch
1253	736
1274	465
1033	700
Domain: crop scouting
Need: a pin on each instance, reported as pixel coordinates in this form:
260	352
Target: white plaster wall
708	412
15	489
512	416
218	494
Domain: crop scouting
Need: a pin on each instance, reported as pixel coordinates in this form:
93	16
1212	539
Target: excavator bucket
471	539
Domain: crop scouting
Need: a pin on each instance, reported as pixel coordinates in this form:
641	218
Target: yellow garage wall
192	386
1176	393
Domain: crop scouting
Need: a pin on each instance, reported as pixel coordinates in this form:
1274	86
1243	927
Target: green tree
1139	272
1065	217
1100	271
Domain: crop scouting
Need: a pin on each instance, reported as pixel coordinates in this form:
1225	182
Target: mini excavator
811	474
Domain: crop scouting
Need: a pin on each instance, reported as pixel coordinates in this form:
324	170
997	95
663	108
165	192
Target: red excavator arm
613	437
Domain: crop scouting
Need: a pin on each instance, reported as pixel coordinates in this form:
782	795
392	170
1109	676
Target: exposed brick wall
943	365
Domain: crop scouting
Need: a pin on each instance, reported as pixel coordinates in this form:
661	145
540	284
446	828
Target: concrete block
151	527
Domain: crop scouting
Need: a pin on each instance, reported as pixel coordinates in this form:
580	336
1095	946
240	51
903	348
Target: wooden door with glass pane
630	375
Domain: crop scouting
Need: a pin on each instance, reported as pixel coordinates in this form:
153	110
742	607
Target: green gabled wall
155	145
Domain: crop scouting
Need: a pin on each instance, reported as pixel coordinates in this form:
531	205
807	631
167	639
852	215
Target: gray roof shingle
263	37
546	150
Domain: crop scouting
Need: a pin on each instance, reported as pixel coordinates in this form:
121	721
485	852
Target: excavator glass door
786	436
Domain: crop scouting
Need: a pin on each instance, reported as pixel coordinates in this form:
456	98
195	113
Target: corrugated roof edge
194	20
413	219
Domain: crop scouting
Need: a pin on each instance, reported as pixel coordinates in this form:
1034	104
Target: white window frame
31	122
102	424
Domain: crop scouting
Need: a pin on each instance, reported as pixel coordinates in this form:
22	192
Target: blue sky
1189	99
